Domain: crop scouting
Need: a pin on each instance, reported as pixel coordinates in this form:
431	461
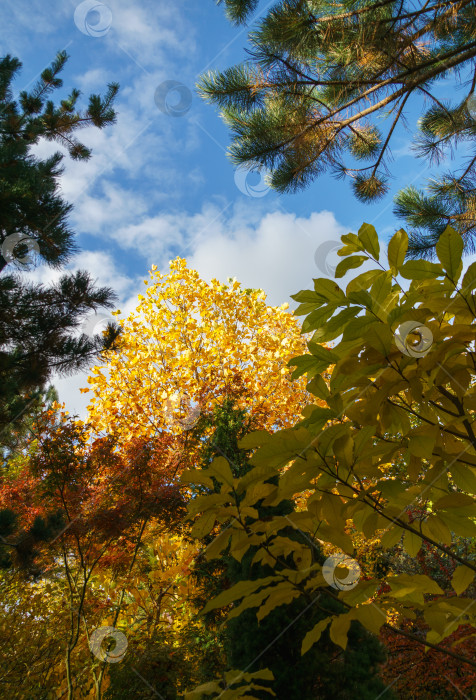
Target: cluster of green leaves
256	643
236	684
387	398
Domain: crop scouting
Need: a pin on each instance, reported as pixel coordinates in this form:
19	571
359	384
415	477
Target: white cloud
152	31
273	250
278	255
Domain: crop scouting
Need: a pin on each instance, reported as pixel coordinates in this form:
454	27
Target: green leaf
464	476
318	387
362	298
317	318
449	250
307	296
397	249
304	309
380	337
205	688
420	270
334	326
349	263
216	547
462	577
250	601
318	417
361	593
364	281
469	279
358	327
329	290
314	635
368	237
307	364
458	524
403	584
256	492
336	535
322	353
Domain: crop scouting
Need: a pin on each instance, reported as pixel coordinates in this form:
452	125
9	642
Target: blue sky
160	185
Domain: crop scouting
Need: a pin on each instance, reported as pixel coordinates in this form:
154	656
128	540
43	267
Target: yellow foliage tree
190	344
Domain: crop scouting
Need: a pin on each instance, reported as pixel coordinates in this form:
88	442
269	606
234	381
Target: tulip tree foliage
400	389
191	343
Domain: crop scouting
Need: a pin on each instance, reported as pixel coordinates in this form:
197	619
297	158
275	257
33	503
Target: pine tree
275	642
30	202
326	86
16	438
38	324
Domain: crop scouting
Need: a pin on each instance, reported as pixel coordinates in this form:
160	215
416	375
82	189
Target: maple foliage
107	501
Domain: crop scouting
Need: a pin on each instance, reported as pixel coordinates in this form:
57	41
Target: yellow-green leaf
239	590
449	250
420	270
196	476
437	530
369	239
453	500
314	635
411	543
339	629
461	579
349	263
469	280
397	249
220	469
203	525
370	616
464	476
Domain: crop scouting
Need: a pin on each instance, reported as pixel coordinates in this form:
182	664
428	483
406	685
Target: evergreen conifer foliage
30	202
38	324
328	84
